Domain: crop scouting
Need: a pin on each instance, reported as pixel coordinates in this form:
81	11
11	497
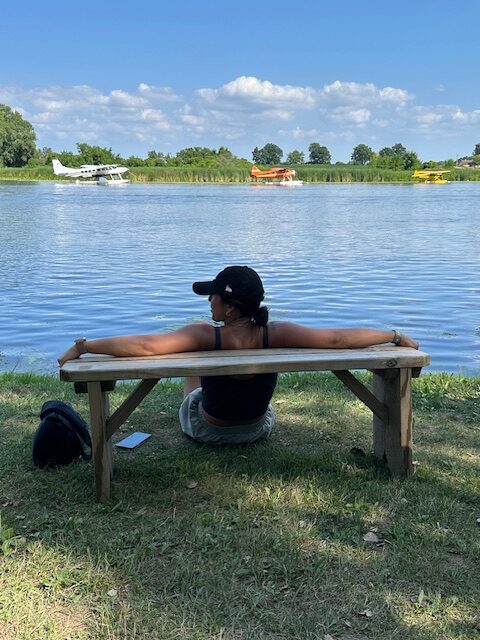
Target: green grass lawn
244	543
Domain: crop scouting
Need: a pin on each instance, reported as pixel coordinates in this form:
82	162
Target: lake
90	260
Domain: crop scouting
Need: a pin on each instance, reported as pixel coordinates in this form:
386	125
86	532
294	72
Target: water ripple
85	260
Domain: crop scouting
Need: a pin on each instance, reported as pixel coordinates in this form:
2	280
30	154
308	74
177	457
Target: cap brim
204	288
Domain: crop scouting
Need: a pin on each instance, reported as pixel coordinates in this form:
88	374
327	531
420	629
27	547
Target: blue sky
166	75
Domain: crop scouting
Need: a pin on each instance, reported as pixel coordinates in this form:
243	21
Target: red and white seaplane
282	176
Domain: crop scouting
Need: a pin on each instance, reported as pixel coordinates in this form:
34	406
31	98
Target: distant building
465	162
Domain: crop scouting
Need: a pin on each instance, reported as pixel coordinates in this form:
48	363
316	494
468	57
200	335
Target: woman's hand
407	341
70	354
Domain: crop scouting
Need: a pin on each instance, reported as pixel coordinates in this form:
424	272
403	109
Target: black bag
62	436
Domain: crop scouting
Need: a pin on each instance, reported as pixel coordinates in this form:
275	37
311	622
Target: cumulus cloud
348	116
247	109
84	113
445	115
152	92
250	89
354	93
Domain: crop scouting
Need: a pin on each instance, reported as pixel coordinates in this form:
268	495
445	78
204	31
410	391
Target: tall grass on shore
307	173
301	537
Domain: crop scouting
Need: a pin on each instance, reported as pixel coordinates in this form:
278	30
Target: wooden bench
390	399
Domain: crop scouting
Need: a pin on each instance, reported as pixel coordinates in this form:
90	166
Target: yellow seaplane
429	176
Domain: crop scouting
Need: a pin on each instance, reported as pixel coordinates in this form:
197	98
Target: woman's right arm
195	337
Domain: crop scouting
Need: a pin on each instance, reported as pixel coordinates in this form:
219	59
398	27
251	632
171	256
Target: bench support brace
129	405
363	394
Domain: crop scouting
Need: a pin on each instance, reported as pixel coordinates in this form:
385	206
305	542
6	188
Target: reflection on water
78	259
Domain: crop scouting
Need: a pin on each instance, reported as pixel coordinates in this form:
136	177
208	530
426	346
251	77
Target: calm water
86	260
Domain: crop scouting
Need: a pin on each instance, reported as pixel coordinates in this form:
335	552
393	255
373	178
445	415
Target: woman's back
240	398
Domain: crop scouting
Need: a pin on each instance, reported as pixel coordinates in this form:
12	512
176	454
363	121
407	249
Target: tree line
18	149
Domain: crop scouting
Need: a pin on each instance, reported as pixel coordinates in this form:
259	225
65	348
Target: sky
168	75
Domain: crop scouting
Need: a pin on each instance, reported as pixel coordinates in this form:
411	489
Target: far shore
202	175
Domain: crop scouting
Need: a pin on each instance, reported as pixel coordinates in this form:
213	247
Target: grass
245	543
229	175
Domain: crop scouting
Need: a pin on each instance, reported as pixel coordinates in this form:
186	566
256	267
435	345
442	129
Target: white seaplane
105	174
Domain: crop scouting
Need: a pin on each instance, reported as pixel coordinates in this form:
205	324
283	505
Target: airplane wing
95	167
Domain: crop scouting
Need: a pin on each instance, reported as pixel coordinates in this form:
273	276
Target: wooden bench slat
238	362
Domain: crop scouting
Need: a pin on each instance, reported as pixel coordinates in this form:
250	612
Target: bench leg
392	440
102	448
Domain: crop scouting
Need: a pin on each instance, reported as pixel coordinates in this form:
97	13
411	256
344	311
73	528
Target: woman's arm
195	337
289	334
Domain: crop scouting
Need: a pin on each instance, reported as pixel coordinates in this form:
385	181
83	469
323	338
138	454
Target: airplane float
101	173
281	175
430	177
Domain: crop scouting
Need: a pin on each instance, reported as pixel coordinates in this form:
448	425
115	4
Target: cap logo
228	288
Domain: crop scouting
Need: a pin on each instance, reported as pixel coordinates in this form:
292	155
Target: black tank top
238	399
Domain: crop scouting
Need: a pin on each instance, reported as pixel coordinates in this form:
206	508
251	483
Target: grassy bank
307	173
262	542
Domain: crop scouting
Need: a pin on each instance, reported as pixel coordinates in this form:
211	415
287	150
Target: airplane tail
58	168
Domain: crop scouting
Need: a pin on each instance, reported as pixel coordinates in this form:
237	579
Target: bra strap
218	339
265	337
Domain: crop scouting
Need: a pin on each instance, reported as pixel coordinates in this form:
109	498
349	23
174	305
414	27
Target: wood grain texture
241	361
363	394
102	456
392	440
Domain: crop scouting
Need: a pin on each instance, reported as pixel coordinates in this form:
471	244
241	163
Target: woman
233	409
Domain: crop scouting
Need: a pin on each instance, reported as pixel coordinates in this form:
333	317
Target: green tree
92	154
42	157
411	161
269	154
319	154
386	152
397	158
257	156
134	161
296	157
399	150
476	151
362	154
17	138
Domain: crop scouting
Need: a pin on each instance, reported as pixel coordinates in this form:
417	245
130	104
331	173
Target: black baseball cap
234	283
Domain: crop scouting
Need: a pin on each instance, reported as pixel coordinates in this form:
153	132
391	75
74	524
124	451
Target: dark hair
258	314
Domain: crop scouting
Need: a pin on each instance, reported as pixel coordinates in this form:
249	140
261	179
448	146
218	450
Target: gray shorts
195	425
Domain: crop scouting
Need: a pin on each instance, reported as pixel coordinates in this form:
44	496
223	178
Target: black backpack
62	436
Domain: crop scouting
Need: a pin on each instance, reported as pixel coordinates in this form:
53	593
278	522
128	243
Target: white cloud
250	89
123	98
445	115
348	116
354	93
152	92
247	110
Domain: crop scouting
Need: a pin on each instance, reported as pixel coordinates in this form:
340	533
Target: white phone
133	440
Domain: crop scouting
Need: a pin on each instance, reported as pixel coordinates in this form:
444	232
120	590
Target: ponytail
260	316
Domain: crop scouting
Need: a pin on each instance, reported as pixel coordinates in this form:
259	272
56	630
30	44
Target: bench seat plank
245	361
